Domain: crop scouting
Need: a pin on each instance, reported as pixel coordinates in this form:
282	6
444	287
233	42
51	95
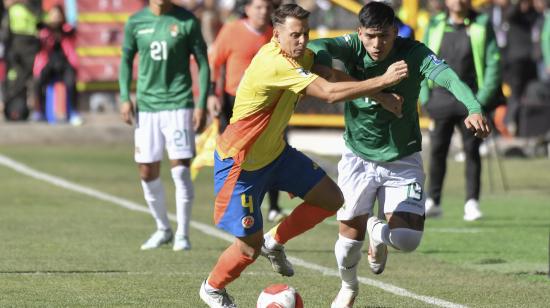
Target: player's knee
405	239
347	252
251	249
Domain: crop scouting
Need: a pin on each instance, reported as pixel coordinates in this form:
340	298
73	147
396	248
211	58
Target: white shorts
398	185
170	129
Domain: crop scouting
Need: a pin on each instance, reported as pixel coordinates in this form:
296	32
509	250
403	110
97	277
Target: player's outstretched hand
199	120
396	72
127	112
391	102
478	125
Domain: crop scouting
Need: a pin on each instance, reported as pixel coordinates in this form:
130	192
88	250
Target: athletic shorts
398	185
292	172
170	129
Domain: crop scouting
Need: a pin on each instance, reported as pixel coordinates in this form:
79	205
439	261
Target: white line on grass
23	169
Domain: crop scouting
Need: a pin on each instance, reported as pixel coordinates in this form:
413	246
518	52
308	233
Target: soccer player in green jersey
165	36
382	160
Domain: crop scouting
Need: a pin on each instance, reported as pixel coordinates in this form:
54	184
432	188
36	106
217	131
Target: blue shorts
292	172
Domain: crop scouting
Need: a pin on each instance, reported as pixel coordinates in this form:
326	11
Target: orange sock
302	218
231	264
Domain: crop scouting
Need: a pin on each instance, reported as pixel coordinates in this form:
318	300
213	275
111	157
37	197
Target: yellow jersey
266	98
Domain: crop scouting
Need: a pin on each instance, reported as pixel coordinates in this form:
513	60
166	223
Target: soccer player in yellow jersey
252	157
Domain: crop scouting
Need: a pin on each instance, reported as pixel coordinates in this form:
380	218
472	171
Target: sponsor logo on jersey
303	72
145	31
247	222
435	59
174	30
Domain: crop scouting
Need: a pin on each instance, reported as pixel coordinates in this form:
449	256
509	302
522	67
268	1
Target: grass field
79	245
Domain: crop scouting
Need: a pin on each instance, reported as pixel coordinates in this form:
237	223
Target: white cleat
157	239
378	252
471	210
278	260
432	210
344	299
181	243
216	298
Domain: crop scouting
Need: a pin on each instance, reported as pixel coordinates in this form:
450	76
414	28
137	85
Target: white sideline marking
23	169
453	230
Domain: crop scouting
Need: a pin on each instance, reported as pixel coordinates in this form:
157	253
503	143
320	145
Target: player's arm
199	51
129	49
389	101
475	121
217	58
333	92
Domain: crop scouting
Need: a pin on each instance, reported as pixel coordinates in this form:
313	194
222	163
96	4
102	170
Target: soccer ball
279	296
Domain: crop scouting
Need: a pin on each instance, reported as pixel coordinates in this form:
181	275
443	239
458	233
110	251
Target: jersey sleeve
326	49
428	63
450	81
129	49
291	76
219	51
199	51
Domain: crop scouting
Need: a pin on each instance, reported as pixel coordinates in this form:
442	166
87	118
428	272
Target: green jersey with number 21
164	44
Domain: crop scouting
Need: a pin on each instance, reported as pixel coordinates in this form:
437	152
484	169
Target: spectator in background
20	28
543	39
165	36
253	30
519	64
465	39
56	60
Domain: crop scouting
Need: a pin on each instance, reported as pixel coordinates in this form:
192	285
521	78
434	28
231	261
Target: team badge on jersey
174	30
435	59
303	72
247	222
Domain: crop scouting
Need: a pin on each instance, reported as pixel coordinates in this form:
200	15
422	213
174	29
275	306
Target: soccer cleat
181	243
216	298
275	216
278	260
471	210
158	238
432	210
378	252
344	299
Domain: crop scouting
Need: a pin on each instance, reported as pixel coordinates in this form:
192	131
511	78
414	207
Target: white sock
348	254
270	242
184	198
381	234
209	288
154	196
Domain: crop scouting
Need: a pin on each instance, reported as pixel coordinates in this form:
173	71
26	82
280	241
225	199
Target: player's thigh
299	175
239	196
403	197
357	180
325	194
178	133
148	138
